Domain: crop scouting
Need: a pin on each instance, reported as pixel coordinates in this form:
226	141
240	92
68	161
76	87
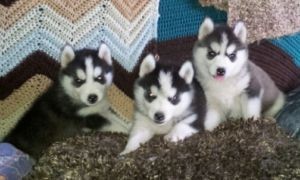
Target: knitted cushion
290	44
180	18
289	117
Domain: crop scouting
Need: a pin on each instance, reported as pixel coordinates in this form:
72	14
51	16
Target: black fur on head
79	62
216	36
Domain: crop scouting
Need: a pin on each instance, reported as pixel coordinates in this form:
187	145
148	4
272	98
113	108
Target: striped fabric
291	45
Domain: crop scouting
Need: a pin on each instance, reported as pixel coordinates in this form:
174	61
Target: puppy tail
276	107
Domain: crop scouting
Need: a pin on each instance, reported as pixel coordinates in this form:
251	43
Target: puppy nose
159	117
221	71
92	98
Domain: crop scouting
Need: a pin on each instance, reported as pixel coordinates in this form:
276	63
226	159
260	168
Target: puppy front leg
182	130
212	119
251	107
136	138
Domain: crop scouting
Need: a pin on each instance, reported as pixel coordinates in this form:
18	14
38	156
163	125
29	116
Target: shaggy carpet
236	150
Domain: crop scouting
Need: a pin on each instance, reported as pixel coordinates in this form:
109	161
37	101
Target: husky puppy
75	102
167	101
234	86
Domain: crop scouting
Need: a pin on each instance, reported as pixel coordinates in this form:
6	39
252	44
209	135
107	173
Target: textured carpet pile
236	150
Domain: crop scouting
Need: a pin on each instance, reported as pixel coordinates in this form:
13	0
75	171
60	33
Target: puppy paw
173	138
130	147
179	133
125	151
210	126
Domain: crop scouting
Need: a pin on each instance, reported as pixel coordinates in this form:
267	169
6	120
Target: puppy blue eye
211	54
78	81
174	100
100	79
150	96
232	56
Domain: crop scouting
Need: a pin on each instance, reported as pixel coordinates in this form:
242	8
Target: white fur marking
97	71
80	74
231	48
109	78
154	90
89	69
215	47
224	44
165	81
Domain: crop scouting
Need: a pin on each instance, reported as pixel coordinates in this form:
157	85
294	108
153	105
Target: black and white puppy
167	101
235	87
76	101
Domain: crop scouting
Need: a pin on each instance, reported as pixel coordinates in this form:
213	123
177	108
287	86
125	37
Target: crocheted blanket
263	18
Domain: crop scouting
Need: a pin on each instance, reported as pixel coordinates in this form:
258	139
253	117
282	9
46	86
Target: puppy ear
206	27
104	53
148	65
186	72
67	56
240	31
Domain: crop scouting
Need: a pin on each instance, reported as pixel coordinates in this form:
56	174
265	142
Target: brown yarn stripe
18	9
276	63
36	63
70	9
7	3
129	8
41	63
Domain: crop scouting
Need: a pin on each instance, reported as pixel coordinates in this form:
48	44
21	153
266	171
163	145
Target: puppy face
163	93
220	52
86	74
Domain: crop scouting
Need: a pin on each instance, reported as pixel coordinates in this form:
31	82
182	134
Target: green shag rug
236	150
